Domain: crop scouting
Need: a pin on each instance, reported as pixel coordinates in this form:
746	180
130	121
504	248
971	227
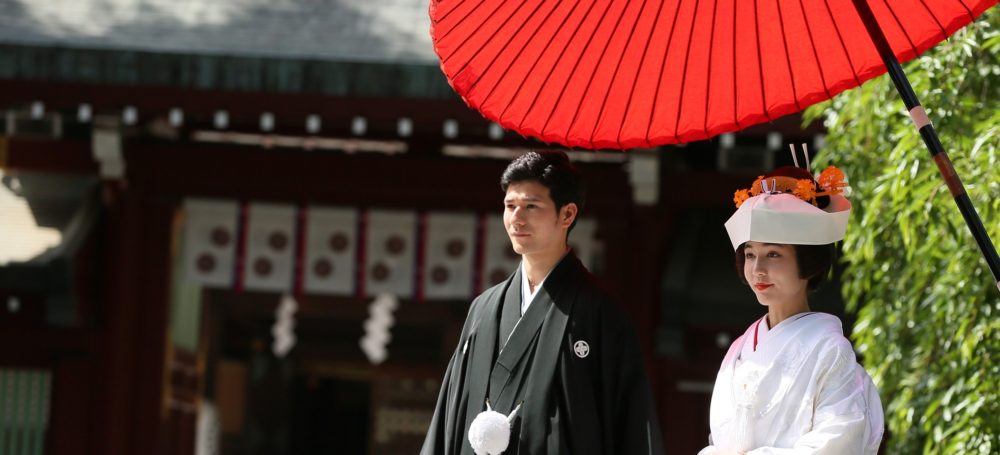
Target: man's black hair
553	170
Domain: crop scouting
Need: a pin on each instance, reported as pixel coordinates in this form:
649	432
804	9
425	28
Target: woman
791	383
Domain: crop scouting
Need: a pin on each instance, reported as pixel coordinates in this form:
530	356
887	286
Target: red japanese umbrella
642	73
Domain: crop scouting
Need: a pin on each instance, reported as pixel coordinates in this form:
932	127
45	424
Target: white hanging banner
583	240
390	253
449	255
270	247
210	241
331	249
499	258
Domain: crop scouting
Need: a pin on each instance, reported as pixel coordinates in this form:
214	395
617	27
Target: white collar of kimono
526	295
761	331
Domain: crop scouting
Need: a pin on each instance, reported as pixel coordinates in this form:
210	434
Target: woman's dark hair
553	170
814	261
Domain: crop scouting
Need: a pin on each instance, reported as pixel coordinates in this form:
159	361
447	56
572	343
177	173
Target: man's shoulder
592	288
595	298
492	293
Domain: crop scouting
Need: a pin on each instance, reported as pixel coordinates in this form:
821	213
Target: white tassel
489	433
743	398
805	150
744	434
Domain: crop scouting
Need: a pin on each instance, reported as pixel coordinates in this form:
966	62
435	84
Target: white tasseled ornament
489	433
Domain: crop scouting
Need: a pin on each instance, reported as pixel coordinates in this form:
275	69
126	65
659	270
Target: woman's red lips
762	286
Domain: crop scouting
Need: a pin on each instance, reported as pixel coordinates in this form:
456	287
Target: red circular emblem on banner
455	247
380	272
395	245
205	263
439	275
338	242
323	268
262	266
220	236
278	240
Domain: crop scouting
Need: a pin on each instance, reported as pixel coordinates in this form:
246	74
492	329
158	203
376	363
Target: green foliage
928	309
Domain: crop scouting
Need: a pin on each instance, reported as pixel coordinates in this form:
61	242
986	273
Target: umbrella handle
926	129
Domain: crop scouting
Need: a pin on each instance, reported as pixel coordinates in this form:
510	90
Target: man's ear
567	214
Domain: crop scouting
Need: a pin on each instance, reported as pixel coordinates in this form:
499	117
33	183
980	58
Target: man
548	339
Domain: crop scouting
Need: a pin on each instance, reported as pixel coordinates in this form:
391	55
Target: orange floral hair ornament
791	205
831	180
740	197
805	190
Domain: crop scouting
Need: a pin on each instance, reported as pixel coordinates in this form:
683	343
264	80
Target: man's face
531	220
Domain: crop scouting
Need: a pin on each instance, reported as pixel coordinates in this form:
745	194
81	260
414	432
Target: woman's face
772	270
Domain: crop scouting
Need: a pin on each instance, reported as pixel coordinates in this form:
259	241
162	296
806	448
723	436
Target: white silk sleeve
843	421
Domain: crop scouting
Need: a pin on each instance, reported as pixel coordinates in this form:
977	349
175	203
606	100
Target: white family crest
581	348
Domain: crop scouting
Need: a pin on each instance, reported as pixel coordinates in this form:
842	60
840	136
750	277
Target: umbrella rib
553	67
469	36
788	58
445	15
812	45
618	67
687	55
736	99
900	24
840	38
519	51
944	34
531	70
635	80
760	63
711	49
590	80
460	21
968	10
494	35
576	64
659	80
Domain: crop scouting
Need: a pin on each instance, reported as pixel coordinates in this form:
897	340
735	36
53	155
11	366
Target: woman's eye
773	254
749	256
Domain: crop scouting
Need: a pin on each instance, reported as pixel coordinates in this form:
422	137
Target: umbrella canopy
641	73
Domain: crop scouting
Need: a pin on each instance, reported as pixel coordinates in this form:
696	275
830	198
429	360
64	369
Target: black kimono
572	360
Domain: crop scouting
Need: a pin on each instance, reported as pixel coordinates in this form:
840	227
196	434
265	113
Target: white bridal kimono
794	389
